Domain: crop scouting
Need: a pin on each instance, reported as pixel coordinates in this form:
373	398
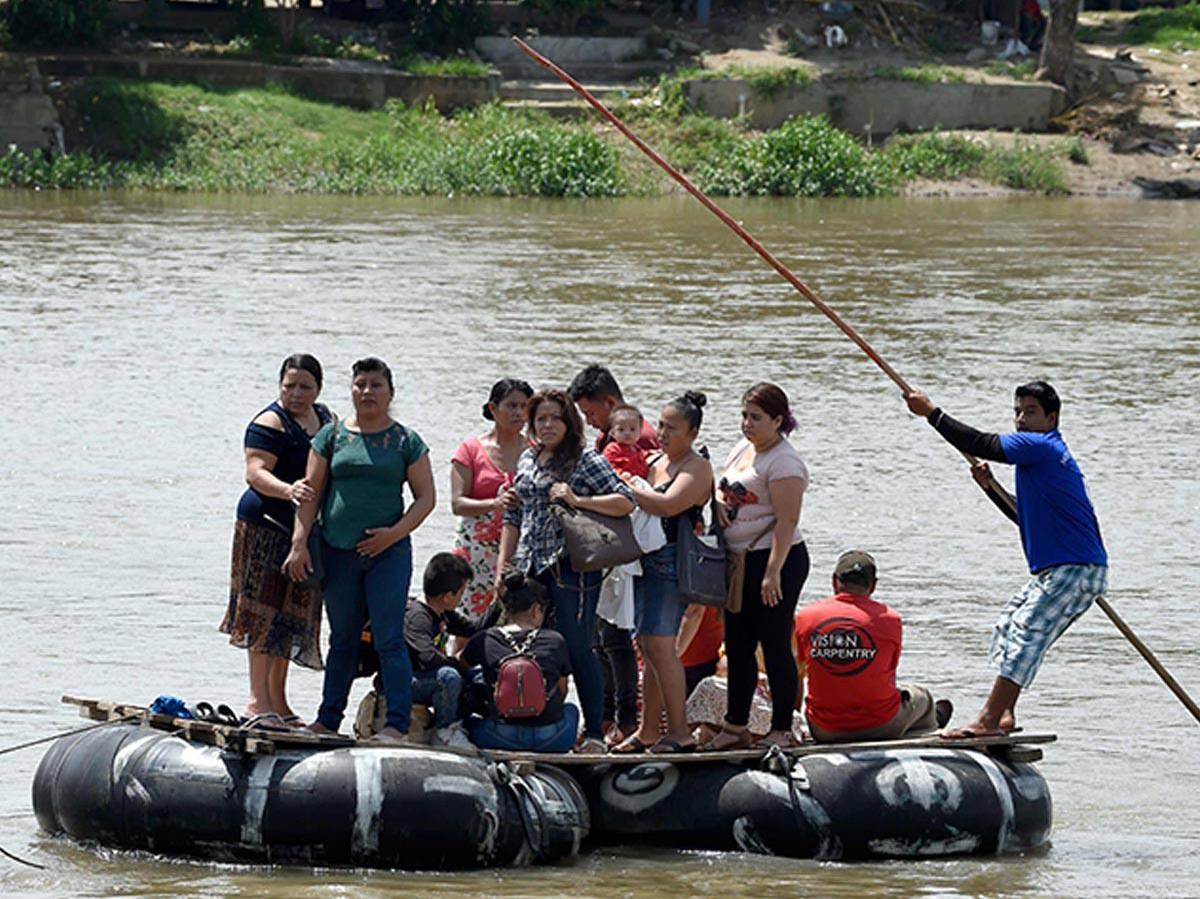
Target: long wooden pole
1150	657
829	313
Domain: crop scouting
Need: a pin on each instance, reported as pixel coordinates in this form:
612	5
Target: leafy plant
55	23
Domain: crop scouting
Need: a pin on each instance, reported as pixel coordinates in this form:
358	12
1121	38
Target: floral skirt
707	705
478	541
267	612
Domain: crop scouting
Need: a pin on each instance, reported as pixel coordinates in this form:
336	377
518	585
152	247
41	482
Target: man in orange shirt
849	647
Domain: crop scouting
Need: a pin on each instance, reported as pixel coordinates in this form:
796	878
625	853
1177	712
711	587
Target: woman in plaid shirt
557	468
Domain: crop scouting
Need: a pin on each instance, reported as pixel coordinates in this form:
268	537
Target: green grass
1019	71
922	74
187	137
1165	28
948	157
459	66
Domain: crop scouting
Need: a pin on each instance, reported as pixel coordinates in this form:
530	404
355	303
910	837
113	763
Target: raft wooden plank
1016	747
748	755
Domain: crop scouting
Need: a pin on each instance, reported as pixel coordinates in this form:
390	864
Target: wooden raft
1018	747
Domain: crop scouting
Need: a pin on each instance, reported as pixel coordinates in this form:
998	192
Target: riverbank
165	136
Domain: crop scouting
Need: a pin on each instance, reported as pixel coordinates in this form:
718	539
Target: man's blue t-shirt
1058	523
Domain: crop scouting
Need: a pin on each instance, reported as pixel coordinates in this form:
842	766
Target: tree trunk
1058	49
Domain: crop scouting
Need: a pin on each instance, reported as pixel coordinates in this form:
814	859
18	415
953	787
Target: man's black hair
594	383
1046	395
445	573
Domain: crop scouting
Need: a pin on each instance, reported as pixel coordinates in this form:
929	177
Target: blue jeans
488	734
575	619
440	689
358	588
657	608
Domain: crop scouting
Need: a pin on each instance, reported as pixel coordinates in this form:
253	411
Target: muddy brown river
139	333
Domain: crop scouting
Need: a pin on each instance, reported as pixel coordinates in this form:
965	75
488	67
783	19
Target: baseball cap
855	566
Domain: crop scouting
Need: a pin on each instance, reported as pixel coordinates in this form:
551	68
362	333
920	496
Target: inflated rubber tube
900	803
135	788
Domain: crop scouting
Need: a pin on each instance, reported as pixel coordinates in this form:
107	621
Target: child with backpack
523	667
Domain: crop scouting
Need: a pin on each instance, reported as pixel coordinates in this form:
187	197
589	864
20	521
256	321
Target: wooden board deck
1015	747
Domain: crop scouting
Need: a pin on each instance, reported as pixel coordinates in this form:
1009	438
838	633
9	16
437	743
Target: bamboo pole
842	325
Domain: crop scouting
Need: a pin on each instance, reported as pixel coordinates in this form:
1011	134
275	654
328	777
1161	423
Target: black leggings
618	664
772	628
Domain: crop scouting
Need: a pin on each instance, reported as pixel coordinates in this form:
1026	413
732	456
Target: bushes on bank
186	137
54	24
805	157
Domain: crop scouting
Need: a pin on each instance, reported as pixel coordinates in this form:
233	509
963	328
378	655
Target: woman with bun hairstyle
558	469
524	601
760	493
275	620
680	482
481	476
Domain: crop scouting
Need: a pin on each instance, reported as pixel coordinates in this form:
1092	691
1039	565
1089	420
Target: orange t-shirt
706	644
851	646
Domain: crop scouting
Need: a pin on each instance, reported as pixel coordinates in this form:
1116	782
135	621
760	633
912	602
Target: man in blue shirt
1059	533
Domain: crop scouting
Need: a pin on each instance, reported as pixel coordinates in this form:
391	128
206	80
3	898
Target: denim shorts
657	606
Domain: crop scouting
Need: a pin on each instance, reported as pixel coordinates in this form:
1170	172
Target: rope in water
50	739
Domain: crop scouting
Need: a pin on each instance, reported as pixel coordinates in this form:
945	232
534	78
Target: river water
139	333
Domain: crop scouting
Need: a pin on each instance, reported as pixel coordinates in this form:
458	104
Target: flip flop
629	746
204	712
667	746
226	715
268	721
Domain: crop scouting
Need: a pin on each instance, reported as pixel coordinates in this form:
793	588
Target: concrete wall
362	85
886	106
578	55
28	120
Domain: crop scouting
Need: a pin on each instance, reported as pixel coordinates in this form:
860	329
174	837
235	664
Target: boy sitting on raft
438	677
849	646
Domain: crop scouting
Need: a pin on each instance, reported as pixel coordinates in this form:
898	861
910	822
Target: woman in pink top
760	495
481	474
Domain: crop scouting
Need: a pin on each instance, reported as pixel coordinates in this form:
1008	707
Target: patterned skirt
267	612
478	541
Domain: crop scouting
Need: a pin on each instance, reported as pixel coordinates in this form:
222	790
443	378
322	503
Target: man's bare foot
1008	721
980	727
318	728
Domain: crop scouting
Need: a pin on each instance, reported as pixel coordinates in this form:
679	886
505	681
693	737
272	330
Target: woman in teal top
362	465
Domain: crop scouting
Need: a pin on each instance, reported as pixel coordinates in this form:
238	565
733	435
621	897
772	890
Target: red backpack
520	684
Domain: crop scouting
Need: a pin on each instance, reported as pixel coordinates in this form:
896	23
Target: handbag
595	542
735	571
700	562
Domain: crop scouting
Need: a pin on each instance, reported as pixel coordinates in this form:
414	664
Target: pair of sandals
222	714
665	746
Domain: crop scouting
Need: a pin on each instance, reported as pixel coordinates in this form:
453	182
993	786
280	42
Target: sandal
783	741
630	745
267	721
728	741
667	746
591	746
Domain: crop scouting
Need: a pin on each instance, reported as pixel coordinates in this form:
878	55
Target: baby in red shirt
622	452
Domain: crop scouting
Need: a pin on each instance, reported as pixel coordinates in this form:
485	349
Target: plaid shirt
541	541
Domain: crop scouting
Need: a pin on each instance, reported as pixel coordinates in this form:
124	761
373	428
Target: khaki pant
916	714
